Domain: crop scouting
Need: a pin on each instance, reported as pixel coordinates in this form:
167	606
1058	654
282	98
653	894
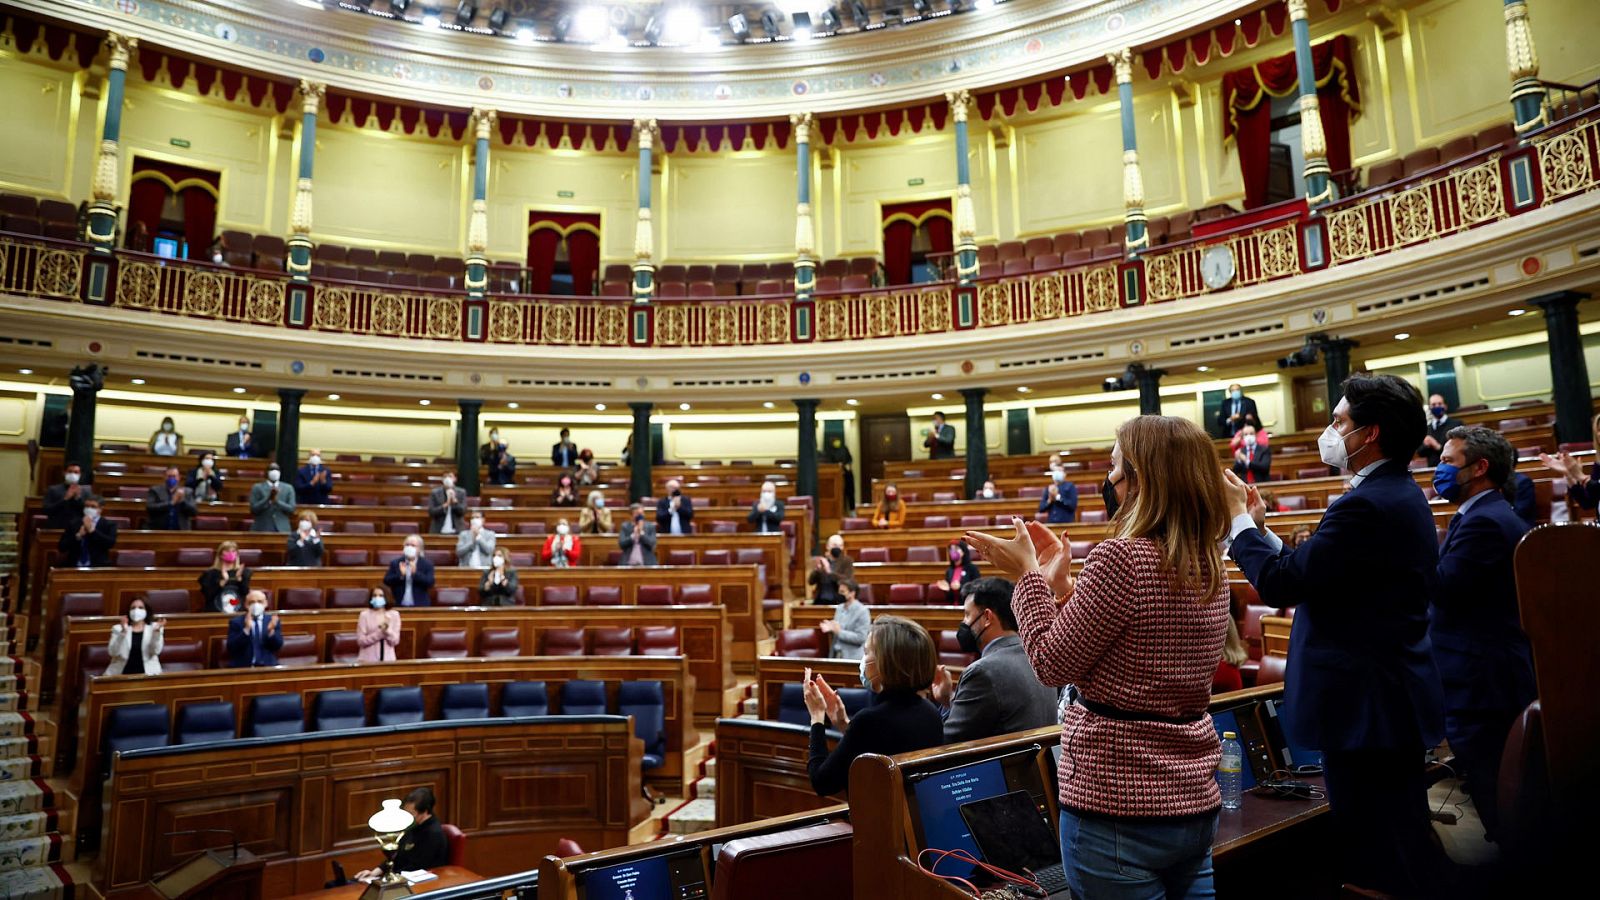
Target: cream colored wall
19	423
524	180
703	195
866	176
390	192
132	422
388	437
994	430
1501	377
37	144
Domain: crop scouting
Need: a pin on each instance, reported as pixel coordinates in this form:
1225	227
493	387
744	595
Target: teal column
977	441
805	237
644	270
1133	217
643	451
966	220
1522	61
102	233
477	283
300	215
806	464
1313	142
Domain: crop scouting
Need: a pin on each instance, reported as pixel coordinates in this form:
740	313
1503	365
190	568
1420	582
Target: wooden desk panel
449	877
773	672
516	787
762	771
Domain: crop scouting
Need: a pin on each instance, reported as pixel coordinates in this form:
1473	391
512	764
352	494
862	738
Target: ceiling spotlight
738	26
1202	368
24	371
682	25
466	11
314	4
431	20
333	396
399	7
137	381
600	407
768	405
499	18
514	405
858	12
830	20
771	24
589	24
985	4
524	35
853	402
1516	312
238	390
1402	335
425	402
685	407
937	396
802	26
1024	390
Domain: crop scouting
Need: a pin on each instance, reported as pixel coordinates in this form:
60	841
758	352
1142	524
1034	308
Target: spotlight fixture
466	11
685	407
768	405
137	381
802	26
590	24
24	371
238	390
514	405
738	26
1306	355
1202	368
333	396
1516	312
830	20
858	12
424	402
1024	389
525	35
772	25
499	18
989	4
682	25
430	19
937	396
1403	336
599	407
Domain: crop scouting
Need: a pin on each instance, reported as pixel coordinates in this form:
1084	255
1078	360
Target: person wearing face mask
1236	411
829	570
254	638
487	450
588	471
272	503
377	630
63	503
940	439
594	518
502	465
89	540
1252	461
837	452
766	514
1361	671
564	453
240	444
305	544
850	623
890	512
205	482
226	582
447	506
988	492
897	662
168	505
1059	504
674	512
998	693
565	492
475	546
498	586
1484	659
166	441
1583	487
637	539
410	575
1440	424
314	481
135	646
562	549
961	571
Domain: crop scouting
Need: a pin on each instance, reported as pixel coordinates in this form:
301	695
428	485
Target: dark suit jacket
99	541
1432	456
59	512
999	694
941	444
239	643
423	847
1361	673
564	454
1247	408
769	522
664	514
421	582
438	503
1260	463
1525	500
1484	659
305	491
1065	507
158	507
235	447
503	468
646	539
213	484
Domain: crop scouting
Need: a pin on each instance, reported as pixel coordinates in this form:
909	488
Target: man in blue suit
1484	658
1361	684
254	638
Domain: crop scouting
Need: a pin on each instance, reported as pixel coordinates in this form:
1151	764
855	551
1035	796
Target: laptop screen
939	797
1011	833
679	876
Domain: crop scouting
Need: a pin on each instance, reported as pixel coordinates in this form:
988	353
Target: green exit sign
179	142
565	195
913	182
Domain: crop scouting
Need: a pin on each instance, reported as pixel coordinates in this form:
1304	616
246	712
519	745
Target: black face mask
1108	492
836	552
966	638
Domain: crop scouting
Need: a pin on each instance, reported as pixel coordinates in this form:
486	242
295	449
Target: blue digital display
1227	721
939	799
643	879
166	248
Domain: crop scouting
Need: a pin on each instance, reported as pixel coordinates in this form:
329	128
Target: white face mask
449	483
136	614
561	529
1057	476
410	552
256	609
243	428
379	601
272	475
988	493
305	526
1250	440
599	503
316	460
499	562
72	477
91	514
1331	445
206	463
166	426
865	682
477	524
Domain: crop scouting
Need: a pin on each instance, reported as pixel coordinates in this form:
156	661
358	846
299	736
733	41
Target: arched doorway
172	209
918	238
563	252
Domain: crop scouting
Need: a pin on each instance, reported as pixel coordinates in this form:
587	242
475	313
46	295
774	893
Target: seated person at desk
998	693
226	582
168	505
988	492
850	623
594	518
962	570
766	514
410	575
498	586
1059	505
423	845
135	647
88	541
832	567
898	661
205	483
891	512
314	481
166	441
254	639
305	544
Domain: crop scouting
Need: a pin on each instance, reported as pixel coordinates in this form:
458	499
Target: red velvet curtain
583	255
897	238
1247	111
941	234
900	224
154	181
199	221
145	199
542	246
546	232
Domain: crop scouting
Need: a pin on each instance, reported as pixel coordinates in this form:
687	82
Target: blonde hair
904	653
224	547
884	503
593	496
1175	498
1233	649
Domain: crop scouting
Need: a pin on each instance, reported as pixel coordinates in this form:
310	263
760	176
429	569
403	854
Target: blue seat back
645	701
580	697
398	706
792	705
199	723
136	727
525	698
335	710
854	699
274	715
464	701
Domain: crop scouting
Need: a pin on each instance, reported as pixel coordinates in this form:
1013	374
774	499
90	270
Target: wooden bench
762	771
515	786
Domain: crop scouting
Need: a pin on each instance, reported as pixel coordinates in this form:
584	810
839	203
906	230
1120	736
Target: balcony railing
1554	163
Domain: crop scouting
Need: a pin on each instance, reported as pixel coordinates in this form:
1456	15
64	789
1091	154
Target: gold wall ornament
1347	233
1132	181
478	229
805	236
958	101
1161	277
1100	289
106	165
333	309
833	320
264	301
1045	296
1522	59
883	316
59	273
558	323
444	318
643	238
773	324
483	121
672	326
966	216
994	304
933	311
611	325
138	285
505	321
1122	63
1564	163
300	215
1297	10
121	47
1313	143
311	96
388	315
202	294
1478	193
801	123
722	324
1279	252
645	131
1411	216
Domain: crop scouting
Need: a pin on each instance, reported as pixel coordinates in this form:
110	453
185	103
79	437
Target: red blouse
1128	638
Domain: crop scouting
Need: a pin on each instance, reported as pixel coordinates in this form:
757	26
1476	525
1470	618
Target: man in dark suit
63	503
1483	655
254	638
1521	493
88	541
447	506
674	512
241	444
1236	411
1252	462
998	693
169	506
941	439
1361	684
1439	425
423	845
766	514
502	465
313	482
565	452
410	575
637	538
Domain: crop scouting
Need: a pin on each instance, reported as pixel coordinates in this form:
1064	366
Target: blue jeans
1129	859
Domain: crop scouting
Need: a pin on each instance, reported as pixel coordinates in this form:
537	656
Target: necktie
255	643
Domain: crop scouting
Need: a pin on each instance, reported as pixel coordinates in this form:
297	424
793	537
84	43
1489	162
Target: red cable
966	857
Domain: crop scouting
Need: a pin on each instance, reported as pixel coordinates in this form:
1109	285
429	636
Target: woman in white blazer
136	643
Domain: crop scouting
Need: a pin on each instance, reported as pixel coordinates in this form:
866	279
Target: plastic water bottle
1230	776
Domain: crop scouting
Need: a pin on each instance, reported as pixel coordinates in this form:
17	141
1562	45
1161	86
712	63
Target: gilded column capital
300	212
1313	143
122	47
1297	10
958	101
805	235
478	229
802	127
1122	62
1522	59
643	239
311	93
483	120
646	129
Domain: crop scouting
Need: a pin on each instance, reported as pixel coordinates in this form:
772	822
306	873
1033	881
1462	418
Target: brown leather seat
609	641
950	652
716	557
194	556
445	643
133	559
300	598
905	595
183	656
874	555
801	643
765	865
679	558
562	642
1272	669
559	595
654	595
83	603
603	595
451	596
348	597
346	556
343	647
499	642
1524	788
167	601
658	640
695	595
299	649
92	661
